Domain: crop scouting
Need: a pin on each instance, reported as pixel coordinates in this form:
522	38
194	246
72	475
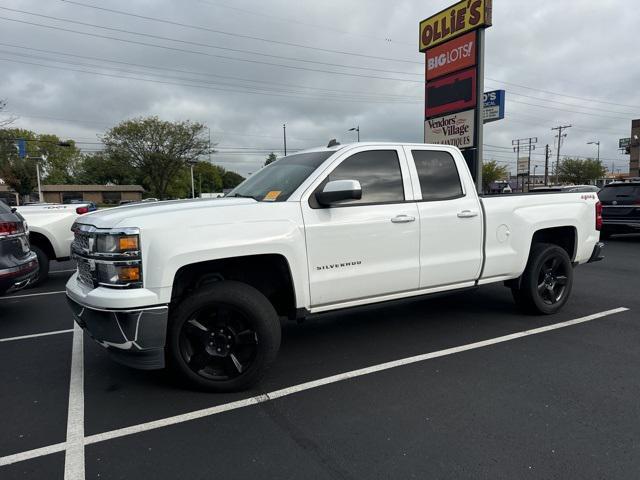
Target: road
558	402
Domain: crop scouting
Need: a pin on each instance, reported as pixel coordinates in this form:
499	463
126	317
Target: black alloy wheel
223	337
552	280
218	343
545	285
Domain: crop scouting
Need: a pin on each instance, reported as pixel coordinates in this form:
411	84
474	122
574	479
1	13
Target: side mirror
338	190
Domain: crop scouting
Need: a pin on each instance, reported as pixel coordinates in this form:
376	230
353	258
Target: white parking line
35	335
10	297
74	455
144	427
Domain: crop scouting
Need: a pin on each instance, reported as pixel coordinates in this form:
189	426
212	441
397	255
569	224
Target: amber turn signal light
128	243
129	274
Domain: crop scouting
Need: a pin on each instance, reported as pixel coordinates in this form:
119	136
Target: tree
578	172
492	172
231	179
157	149
208	178
100	169
270	159
18	173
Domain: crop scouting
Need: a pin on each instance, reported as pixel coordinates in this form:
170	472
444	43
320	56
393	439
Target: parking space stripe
35	335
144	427
11	297
31	454
74	454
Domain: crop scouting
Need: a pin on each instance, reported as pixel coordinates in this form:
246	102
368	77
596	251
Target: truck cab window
438	174
379	174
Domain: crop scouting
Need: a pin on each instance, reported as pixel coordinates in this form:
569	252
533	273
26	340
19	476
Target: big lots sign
458	54
451	22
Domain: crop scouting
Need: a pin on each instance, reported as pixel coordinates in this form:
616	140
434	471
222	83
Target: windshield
277	181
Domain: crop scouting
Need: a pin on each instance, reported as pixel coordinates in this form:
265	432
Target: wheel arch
40	240
270	274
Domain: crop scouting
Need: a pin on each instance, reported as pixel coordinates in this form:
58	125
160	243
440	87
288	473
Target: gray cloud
576	48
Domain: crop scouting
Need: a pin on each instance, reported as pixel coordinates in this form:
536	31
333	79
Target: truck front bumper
135	338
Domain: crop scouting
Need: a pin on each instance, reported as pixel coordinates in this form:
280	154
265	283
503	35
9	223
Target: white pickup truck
50	233
199	285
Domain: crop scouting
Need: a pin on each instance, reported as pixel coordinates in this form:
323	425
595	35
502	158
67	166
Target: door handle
467	214
403	219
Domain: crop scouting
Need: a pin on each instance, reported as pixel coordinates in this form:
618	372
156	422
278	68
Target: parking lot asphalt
556	404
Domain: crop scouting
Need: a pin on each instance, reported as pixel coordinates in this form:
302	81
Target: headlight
108	257
117	243
113	274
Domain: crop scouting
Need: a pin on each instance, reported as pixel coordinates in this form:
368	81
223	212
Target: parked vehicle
620	208
199	285
50	232
90	205
18	264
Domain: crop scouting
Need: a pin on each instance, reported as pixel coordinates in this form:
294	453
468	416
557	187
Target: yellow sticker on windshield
272	195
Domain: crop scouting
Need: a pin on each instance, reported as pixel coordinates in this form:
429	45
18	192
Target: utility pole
517	150
547	154
529	144
560	136
284	132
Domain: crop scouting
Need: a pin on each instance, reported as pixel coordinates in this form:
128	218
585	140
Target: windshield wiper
238	195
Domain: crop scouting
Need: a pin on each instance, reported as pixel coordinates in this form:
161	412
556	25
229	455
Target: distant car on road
620	208
18	264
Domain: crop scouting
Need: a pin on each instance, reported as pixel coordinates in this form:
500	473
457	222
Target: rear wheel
223	337
546	283
43	266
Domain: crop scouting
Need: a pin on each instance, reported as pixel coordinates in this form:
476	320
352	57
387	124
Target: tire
223	337
43	266
547	280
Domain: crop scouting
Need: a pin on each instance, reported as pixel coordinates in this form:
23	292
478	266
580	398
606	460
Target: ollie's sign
458	54
451	22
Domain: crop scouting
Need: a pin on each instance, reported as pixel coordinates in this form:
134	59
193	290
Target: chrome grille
85	272
81	242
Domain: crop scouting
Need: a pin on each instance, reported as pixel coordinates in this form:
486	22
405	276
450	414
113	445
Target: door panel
368	247
450	219
358	252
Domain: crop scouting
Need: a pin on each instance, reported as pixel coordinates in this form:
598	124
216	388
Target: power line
562	94
194	85
264	15
206	45
238	35
206	54
191	72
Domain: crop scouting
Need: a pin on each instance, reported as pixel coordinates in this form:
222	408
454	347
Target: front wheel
546	282
223	337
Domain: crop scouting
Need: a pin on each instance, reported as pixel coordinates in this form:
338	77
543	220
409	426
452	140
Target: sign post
453	43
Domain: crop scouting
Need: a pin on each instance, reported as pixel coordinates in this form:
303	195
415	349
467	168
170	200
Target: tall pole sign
453	43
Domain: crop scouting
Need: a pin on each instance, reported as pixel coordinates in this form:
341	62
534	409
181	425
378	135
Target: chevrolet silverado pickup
50	232
200	285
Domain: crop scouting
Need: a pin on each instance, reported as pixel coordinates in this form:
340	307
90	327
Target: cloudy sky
246	67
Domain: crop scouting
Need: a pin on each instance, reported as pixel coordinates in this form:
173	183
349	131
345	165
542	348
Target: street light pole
356	129
598	144
284	133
